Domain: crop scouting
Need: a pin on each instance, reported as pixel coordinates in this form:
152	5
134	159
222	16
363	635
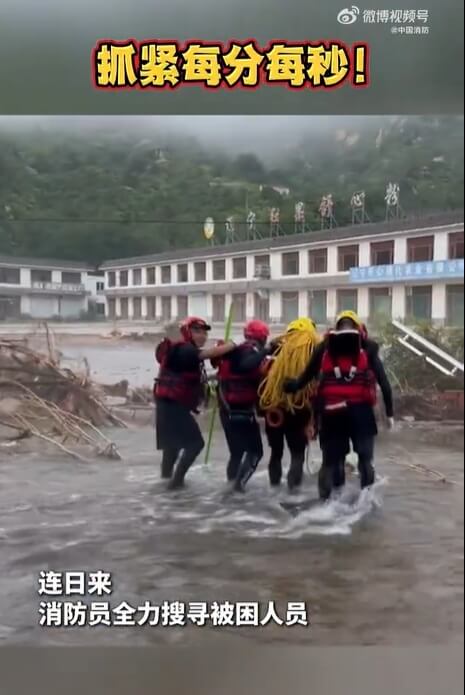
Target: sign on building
402	272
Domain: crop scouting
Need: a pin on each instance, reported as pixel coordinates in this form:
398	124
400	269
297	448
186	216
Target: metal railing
409	335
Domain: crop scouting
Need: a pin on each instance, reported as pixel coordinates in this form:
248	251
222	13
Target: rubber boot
246	471
275	470
366	472
168	462
233	468
296	470
325	482
339	475
187	459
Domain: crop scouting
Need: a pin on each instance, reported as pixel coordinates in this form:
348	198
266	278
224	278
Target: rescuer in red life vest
349	369
239	376
179	391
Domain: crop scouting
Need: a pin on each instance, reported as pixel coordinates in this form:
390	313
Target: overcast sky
244	133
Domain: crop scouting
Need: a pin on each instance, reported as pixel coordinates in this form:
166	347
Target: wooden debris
39	398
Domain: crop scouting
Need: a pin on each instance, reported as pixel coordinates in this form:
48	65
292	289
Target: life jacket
185	388
342	382
238	390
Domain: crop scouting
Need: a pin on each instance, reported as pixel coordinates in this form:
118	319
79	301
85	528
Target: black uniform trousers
357	425
178	437
243	437
293	432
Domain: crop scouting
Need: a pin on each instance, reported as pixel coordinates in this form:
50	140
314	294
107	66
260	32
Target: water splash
265	513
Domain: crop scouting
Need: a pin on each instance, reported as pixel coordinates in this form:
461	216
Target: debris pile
39	398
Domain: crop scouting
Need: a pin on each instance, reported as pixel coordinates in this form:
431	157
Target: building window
347	300
182	272
200	271
419	303
289	306
262	267
166	308
100	287
219	270
151	307
41	276
151	276
347	258
10	276
262	306
456	246
290	263
380	304
182	307
318	261
382	253
455	307
100	309
123	278
420	249
71	278
219	307
240	304
137	276
112	279
137	308
124	307
239	268
111	308
317	306
166	274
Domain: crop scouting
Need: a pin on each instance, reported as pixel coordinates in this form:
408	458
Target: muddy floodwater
385	567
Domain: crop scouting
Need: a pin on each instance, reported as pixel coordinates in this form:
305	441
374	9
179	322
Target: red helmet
193	323
256	330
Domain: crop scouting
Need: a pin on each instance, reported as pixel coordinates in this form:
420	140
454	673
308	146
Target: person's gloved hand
273	345
291	386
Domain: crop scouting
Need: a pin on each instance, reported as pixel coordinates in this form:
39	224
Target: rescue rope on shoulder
274	417
294	351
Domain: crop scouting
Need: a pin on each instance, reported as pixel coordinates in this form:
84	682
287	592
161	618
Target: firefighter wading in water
348	368
239	376
289	416
180	389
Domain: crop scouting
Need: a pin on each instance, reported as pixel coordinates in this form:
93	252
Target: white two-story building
49	289
411	270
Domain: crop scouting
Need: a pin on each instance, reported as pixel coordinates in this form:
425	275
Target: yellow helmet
301	324
349	315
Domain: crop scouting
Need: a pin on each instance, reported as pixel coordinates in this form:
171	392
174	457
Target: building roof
44	263
336	234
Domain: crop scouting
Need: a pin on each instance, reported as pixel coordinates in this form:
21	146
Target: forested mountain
95	195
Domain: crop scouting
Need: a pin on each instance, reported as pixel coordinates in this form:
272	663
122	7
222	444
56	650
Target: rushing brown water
385	567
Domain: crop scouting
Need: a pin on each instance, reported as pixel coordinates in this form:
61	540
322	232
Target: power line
107	220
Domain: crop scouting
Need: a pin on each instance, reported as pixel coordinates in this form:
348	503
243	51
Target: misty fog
258	134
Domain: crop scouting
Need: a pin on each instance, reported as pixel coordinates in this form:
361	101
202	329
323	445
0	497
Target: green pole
227	335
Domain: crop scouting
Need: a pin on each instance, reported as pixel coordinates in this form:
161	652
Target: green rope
227	336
